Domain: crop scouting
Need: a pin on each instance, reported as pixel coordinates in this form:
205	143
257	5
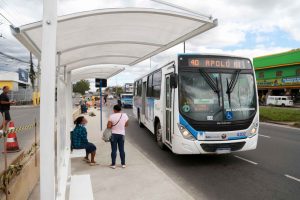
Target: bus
126	100
200	104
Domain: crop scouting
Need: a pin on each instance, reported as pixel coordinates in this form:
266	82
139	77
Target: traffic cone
11	141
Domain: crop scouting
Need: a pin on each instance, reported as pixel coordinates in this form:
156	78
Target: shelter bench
81	188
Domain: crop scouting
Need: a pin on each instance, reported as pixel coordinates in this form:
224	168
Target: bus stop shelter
92	44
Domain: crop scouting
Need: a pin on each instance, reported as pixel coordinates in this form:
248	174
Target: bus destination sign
216	62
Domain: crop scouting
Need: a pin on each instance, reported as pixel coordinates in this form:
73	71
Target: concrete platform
141	179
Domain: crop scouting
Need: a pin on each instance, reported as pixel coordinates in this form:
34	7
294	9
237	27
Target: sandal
86	160
94	163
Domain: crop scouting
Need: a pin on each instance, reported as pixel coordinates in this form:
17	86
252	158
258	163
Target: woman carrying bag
117	123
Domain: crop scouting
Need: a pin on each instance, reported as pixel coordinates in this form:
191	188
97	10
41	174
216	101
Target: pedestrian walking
105	99
79	140
117	123
5	106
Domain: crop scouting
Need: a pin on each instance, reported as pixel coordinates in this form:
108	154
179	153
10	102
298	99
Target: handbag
107	132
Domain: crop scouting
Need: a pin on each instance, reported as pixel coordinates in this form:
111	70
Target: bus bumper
184	146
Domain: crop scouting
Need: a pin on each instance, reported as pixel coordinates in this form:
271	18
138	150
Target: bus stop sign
101	82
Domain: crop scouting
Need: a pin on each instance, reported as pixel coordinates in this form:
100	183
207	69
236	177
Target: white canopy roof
115	36
96	71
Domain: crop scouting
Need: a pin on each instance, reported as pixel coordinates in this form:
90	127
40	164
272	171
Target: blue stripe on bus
184	123
237	138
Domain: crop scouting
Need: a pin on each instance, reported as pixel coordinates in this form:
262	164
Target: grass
278	114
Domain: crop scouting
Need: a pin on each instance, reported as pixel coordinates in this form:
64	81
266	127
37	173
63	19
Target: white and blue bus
126	100
199	104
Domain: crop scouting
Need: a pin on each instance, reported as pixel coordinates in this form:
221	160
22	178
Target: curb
22	107
281	124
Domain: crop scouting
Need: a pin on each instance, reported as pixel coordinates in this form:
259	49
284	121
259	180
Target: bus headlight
185	133
253	130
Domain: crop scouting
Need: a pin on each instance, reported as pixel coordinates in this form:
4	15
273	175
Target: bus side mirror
173	80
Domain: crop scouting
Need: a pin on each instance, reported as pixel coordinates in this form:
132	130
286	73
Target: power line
181	8
7	10
13	58
5	18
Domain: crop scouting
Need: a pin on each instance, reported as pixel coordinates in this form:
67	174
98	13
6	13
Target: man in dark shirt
5	106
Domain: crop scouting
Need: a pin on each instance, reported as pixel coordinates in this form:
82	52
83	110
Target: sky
247	28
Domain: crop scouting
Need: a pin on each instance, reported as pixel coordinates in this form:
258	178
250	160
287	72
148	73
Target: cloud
238	20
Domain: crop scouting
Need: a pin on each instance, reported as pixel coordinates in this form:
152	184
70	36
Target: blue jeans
116	141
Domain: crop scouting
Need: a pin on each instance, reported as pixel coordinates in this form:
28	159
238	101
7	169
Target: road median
278	115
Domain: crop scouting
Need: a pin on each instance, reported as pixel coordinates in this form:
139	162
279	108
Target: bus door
169	109
144	100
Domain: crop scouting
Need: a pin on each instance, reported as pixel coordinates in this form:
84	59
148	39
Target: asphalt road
21	117
272	171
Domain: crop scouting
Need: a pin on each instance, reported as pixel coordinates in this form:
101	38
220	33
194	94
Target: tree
32	74
81	87
118	90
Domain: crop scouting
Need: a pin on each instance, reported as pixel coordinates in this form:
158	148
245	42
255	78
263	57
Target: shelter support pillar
69	115
47	108
69	105
61	149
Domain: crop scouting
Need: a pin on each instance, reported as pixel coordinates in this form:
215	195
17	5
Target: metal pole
47	108
35	141
5	153
184	47
101	105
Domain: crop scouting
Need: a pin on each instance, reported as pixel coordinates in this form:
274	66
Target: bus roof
153	70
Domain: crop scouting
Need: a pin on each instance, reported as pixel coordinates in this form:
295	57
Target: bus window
149	86
156	84
139	88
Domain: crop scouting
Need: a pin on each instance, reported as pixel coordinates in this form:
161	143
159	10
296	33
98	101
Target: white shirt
120	127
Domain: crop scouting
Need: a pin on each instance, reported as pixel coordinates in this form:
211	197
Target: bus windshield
217	96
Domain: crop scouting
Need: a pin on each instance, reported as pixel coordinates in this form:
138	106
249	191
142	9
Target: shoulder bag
107	132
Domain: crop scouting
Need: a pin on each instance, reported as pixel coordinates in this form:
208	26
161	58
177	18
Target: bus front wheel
158	136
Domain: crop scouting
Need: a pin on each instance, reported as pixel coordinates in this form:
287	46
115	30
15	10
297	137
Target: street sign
103	82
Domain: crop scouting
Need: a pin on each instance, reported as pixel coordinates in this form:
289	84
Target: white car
110	96
280	101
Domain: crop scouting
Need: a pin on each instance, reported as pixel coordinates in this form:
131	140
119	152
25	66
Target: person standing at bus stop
5	106
117	123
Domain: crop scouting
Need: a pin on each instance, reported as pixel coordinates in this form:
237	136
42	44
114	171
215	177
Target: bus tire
283	105
158	136
140	121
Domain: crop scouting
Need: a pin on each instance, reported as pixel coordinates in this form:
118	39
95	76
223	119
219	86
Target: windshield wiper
214	85
231	85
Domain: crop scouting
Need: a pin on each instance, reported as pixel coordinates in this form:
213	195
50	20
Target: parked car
280	101
110	96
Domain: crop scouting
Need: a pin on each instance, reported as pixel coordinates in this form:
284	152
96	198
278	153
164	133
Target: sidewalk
140	180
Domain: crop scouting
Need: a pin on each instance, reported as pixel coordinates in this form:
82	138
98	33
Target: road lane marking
244	159
279	125
291	177
266	136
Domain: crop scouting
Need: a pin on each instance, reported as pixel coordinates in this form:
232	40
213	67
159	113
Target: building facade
279	74
128	88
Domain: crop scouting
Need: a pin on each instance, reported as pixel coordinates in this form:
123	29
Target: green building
279	74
